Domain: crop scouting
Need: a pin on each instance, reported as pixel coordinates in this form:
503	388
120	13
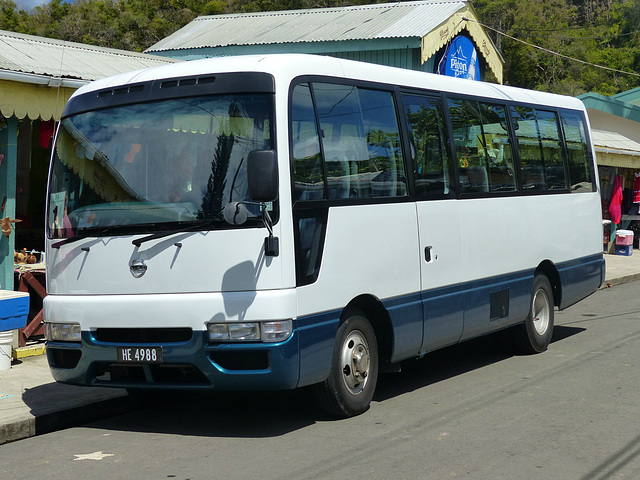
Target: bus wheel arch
549	270
373	310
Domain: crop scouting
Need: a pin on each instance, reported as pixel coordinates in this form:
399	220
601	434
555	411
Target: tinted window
578	152
483	146
540	148
432	166
310	231
307	164
361	142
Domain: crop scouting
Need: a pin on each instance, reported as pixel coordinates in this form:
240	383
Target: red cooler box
624	237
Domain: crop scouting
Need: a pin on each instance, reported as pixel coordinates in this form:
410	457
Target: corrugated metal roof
363	22
56	58
614	142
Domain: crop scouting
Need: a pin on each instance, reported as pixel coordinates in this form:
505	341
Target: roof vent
186	82
120	91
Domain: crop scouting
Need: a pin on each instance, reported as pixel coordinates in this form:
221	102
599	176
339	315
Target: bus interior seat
338	178
533	178
478	178
502	179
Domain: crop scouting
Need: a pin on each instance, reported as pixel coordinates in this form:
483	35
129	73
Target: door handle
427	253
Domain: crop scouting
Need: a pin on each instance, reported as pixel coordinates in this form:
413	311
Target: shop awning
31	100
616	150
38	75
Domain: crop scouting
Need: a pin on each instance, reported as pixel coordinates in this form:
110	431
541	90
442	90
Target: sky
29	4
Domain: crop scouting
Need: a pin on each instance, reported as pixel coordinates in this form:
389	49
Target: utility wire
531	33
551	51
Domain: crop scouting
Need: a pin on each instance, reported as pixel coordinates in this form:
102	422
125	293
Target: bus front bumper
192	364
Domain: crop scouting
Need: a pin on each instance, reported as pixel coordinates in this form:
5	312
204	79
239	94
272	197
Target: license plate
140	354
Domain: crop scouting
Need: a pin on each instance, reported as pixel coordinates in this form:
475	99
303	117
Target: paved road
472	412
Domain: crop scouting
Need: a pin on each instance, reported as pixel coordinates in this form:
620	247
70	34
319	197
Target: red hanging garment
46	133
636	188
615	207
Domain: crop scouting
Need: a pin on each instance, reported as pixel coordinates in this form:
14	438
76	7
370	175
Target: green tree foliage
596	32
10	18
600	32
125	24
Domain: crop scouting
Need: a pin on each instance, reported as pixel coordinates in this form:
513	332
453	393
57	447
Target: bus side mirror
262	175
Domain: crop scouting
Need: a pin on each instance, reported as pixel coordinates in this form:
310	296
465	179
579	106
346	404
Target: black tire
534	335
349	388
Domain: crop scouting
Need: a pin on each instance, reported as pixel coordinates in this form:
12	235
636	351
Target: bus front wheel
534	336
349	388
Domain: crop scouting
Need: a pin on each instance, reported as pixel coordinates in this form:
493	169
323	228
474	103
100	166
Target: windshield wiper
196	226
80	237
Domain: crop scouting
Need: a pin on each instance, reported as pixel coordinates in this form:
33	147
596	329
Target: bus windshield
156	166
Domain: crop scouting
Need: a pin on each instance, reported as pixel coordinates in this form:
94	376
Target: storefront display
620	190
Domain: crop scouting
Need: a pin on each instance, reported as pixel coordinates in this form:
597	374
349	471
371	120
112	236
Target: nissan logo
138	268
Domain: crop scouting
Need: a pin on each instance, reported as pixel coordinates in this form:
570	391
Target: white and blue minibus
280	221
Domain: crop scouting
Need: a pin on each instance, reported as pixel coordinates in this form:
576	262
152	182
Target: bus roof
285	67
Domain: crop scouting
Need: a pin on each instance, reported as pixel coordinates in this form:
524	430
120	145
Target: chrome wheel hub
540	309
355	362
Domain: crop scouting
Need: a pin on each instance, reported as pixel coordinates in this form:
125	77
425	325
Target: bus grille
143	335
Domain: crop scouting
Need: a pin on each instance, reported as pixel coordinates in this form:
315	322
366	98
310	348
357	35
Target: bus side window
578	152
361	142
384	151
553	155
540	149
432	166
308	176
310	233
497	145
483	146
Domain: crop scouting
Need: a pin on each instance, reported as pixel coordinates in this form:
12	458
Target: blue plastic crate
14	308
626	250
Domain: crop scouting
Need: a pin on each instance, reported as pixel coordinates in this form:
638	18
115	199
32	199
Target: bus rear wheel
349	388
534	336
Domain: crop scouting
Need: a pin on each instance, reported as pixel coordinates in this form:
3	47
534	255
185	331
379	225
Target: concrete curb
17	430
91	412
22	428
620	280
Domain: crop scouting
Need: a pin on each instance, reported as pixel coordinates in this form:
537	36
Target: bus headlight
250	331
62	332
234	332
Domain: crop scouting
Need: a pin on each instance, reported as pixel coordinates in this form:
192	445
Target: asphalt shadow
229	414
456	360
271	414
